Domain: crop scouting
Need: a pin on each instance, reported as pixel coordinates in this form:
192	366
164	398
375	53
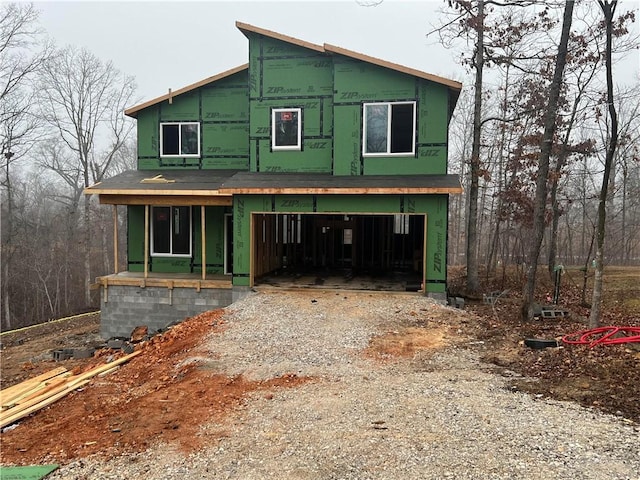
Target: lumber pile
23	399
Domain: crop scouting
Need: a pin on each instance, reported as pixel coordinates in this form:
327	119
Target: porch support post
115	238
204	242
424	257
146	241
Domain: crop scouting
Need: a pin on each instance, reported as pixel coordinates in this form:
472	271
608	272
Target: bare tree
22	53
473	284
539	207
83	99
608	9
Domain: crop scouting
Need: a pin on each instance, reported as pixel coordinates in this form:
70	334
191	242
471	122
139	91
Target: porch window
389	128
180	139
286	129
171	231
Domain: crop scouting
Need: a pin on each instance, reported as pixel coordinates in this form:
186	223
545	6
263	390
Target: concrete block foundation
125	307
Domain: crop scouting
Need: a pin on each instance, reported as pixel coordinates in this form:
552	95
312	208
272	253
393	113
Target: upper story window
180	139
389	128
171	231
286	129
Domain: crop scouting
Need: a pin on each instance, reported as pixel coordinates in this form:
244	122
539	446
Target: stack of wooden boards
23	399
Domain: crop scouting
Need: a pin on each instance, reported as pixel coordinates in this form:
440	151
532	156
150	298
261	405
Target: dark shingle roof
230	182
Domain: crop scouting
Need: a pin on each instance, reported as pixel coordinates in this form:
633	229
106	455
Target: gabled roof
454	87
133	111
327	48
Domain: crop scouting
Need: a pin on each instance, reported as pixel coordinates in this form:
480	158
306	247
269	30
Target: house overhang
216	187
327	184
166	187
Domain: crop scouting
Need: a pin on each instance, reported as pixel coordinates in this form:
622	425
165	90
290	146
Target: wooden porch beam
146	241
115	239
204	243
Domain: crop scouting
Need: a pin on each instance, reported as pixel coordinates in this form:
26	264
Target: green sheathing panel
149	136
434	206
31	472
358	203
358	82
225	123
222	108
347	139
431	160
214	224
214	218
282	75
135	238
214	232
315	155
433	113
183	108
293	203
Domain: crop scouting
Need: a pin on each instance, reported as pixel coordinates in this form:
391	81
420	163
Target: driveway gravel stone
439	413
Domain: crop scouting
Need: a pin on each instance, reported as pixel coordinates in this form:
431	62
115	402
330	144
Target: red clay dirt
157	396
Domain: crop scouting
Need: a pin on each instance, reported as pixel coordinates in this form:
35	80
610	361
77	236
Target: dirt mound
161	395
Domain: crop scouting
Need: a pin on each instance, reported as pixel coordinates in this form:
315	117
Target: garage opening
356	251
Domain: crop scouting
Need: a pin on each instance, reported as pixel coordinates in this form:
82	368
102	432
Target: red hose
602	336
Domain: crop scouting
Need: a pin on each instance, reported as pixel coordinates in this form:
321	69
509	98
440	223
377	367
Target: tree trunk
87	251
473	284
608	9
543	165
7	250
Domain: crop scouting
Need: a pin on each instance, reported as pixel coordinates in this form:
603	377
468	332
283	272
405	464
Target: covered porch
158	289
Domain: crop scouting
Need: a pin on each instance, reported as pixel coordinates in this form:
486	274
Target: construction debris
20	400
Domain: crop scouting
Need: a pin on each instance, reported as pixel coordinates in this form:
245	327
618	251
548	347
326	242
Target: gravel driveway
436	414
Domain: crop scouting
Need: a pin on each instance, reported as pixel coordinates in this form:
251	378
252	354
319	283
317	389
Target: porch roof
163	182
324	183
164	187
216	187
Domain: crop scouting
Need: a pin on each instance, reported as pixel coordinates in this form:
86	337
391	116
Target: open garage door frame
275	236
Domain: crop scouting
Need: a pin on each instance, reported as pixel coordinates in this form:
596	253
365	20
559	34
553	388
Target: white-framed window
286	129
180	139
171	231
389	128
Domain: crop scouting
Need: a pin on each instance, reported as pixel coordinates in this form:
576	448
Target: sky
170	45
173	44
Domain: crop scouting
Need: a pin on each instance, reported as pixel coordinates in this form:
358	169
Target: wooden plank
105	367
252	246
204	242
115	239
32	390
423	288
146	241
21	410
43	389
159	282
279	36
38	406
11	394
